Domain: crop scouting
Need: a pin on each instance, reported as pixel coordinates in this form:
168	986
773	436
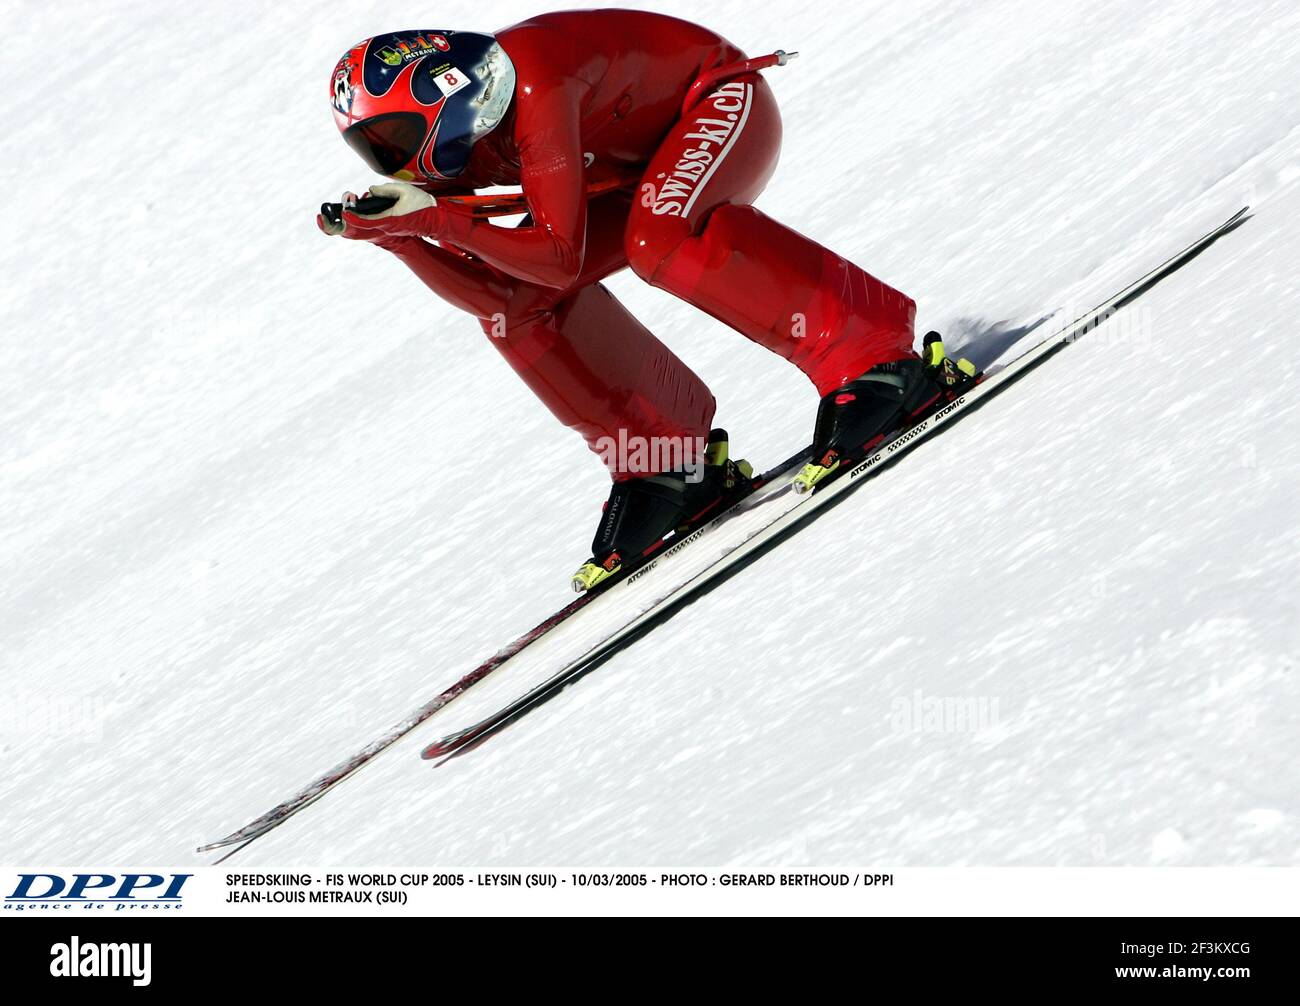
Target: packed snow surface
261	494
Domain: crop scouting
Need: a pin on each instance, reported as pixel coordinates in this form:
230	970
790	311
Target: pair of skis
704	558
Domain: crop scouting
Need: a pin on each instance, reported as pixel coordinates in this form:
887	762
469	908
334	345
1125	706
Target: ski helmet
412	103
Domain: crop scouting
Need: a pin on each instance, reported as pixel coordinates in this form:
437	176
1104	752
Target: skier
678	133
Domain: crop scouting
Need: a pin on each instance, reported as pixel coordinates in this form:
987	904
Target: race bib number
450	80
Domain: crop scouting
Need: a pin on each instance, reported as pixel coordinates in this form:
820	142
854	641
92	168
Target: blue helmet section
468	72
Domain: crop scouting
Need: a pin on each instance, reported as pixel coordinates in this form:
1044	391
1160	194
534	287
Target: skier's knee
650	241
646	246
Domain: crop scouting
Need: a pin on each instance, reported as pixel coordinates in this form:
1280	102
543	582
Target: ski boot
951	376
887	398
641	512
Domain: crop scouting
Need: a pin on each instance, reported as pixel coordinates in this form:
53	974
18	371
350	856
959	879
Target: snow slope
237	540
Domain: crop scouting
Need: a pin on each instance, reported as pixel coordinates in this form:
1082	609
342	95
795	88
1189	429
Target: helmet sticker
402	49
342	89
498	76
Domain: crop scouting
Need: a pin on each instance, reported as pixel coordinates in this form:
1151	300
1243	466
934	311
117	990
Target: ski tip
449	744
438	748
232	843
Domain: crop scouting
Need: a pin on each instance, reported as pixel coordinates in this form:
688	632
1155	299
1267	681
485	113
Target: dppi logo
96	891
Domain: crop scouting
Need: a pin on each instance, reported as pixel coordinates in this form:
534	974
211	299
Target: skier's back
566	101
635	67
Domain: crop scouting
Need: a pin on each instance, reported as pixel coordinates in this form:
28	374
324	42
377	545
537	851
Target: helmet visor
387	142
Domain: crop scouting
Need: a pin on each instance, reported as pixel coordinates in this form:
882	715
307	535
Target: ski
312	792
771	497
790	512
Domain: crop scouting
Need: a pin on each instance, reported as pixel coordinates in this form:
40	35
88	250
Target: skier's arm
471	286
550	250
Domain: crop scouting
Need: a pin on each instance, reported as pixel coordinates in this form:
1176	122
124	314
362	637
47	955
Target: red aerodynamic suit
600	94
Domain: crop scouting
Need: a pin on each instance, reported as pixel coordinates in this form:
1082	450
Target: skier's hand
338	228
414	214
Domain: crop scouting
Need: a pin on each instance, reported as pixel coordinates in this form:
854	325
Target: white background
261	493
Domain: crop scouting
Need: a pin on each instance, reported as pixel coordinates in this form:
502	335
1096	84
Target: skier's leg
599	370
693	234
606	376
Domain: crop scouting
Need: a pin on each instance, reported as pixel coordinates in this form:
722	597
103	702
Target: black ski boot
887	398
641	512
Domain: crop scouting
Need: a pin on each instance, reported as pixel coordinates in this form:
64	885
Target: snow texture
244	524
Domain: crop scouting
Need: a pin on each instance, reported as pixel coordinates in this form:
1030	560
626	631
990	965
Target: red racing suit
600	94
